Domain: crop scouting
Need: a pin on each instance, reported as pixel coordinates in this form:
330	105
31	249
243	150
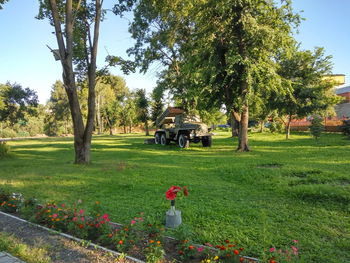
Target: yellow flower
216	258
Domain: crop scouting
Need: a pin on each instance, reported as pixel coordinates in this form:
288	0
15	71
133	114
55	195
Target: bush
4	149
317	126
276	126
8	133
346	127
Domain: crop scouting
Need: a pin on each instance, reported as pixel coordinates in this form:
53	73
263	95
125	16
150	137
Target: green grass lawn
281	191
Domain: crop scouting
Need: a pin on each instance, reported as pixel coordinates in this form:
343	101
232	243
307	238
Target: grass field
281	191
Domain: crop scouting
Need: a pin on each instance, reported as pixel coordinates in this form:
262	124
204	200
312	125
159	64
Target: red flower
172	192
185	191
227	241
81	226
120	242
236	251
191	247
241	259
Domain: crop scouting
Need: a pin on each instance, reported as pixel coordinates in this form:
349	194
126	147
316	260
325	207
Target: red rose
172	192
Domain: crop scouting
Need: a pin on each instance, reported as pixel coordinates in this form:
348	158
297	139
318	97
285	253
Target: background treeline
118	109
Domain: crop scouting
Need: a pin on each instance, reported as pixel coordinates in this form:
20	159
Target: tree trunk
146	128
288	126
234	124
98	115
124	126
243	131
110	131
82	135
261	126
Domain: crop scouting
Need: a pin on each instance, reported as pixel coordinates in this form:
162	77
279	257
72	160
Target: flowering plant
285	255
173	192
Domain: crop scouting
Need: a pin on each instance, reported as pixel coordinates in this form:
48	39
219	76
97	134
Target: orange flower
81	226
151	241
231	245
110	235
120	242
191	247
158	242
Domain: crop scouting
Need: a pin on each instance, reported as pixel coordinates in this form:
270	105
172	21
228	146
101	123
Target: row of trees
239	54
116	106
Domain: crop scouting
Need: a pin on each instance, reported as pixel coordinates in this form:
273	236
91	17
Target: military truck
174	125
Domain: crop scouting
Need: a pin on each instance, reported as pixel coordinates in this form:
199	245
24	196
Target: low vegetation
281	191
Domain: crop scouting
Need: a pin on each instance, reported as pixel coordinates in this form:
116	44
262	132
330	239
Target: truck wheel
164	140
157	138
183	141
206	141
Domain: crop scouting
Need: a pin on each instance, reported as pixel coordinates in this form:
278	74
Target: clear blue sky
25	59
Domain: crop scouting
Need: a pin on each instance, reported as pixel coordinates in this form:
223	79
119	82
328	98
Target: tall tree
309	93
224	49
77	44
142	108
157	105
16	103
239	41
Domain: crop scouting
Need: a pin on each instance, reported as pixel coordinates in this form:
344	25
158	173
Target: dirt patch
61	250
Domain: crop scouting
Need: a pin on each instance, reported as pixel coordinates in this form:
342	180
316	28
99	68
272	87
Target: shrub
346	127
8	133
317	126
4	149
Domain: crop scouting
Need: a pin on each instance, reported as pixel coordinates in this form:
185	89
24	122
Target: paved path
7	258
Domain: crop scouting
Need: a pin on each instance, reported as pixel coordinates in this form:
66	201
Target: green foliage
346	127
317	126
16	103
307	93
4	149
154	251
8	133
2	2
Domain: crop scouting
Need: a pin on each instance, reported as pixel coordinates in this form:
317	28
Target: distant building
343	108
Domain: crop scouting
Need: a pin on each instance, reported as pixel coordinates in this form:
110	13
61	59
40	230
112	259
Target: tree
157	105
16	102
58	118
2	2
77	47
142	105
316	127
111	90
308	92
220	51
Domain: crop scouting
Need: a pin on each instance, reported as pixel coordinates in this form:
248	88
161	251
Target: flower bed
140	238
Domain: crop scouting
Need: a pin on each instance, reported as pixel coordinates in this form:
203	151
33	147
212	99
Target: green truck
174	125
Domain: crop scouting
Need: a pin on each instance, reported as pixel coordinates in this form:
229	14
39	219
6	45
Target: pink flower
105	216
54	215
74	219
81	211
208	244
200	249
294	248
63	205
133	222
272	249
82	219
295	241
98	225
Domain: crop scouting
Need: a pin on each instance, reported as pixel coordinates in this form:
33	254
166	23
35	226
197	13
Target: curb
90	245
